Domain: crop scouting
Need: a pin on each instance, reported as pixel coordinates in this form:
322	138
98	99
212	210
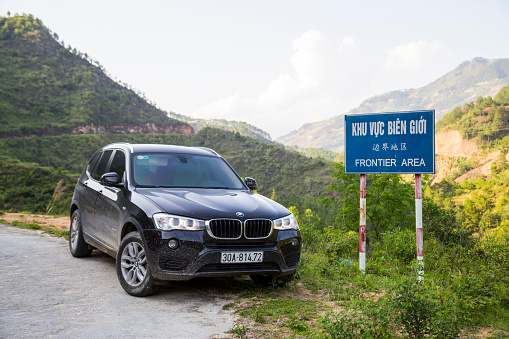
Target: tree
273	196
389	202
473	211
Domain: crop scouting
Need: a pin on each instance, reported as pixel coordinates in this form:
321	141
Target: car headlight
287	223
168	222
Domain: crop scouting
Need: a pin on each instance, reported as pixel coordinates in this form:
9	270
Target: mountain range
470	80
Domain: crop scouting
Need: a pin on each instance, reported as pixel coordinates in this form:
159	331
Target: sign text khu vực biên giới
401	142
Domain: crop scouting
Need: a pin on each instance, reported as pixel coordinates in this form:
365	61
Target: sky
276	64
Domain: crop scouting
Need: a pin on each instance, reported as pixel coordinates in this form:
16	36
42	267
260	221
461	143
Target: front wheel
132	267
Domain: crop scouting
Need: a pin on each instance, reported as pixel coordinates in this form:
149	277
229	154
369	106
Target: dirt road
48	293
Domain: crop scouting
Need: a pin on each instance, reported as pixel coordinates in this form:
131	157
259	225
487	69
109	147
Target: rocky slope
450	145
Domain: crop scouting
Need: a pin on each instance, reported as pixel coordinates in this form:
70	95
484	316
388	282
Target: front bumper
199	255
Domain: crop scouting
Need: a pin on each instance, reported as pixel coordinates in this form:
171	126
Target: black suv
174	213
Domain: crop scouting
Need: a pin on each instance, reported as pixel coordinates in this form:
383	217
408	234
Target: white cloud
411	56
407	62
326	80
314	58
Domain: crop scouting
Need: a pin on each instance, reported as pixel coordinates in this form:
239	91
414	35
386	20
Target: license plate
241	257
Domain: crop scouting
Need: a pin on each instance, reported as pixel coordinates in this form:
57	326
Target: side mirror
251	183
110	179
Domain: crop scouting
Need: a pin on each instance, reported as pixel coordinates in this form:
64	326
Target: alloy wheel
134	264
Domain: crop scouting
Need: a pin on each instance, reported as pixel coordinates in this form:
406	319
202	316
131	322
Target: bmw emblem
239	214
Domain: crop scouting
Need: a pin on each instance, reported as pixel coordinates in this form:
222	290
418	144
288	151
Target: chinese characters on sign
401	142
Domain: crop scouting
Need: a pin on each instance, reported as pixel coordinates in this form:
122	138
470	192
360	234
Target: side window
102	165
93	162
118	164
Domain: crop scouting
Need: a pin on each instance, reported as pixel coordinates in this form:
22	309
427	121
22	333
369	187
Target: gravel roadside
48	293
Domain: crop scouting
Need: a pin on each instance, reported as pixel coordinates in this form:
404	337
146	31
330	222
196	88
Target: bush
339	245
412	308
398	244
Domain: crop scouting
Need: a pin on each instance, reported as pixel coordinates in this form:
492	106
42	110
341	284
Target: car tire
77	245
268	280
132	267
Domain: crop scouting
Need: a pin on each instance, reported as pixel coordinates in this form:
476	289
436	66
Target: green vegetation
49	229
49	89
466	228
318	153
465	284
384	190
241	127
31	187
480	204
486	121
463	165
289	313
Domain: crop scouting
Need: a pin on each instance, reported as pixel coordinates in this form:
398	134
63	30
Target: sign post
401	143
418	225
362	225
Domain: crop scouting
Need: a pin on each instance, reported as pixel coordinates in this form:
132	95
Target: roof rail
121	143
209	150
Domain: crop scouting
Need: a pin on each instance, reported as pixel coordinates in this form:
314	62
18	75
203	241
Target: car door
110	204
88	191
93	189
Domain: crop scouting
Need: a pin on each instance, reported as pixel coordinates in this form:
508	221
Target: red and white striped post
362	225
418	225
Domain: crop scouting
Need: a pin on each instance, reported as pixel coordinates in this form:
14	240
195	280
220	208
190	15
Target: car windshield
183	170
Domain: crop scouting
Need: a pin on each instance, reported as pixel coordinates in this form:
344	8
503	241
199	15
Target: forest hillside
48	88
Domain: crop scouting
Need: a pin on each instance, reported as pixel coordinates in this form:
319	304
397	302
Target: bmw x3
174	213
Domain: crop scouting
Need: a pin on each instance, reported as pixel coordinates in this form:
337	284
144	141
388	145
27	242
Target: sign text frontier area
402	142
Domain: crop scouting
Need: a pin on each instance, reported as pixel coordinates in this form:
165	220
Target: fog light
173	244
295	242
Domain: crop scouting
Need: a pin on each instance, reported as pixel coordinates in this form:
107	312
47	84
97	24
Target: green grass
49	229
464	289
295	314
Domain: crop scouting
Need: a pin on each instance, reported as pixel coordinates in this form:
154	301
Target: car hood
214	203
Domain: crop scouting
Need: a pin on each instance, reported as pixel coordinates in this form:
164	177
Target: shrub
412	308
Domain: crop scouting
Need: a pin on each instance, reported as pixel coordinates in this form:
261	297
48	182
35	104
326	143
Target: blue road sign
402	142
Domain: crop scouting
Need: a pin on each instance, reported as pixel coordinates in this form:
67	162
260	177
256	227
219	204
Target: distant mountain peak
478	77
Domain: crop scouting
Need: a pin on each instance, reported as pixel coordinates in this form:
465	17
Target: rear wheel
77	245
132	267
